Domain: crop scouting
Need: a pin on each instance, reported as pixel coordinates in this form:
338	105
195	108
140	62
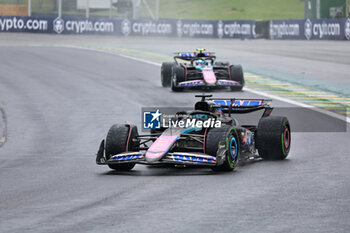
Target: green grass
193	9
230	9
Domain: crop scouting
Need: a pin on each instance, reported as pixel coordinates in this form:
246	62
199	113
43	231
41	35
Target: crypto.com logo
308	29
126	27
347	29
179	28
58	25
220	29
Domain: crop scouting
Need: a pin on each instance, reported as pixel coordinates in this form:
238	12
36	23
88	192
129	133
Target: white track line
141	60
112	53
3	128
286	100
320	110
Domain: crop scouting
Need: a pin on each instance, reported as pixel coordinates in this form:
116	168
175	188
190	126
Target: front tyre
236	74
120	139
223	140
165	73
177	77
273	137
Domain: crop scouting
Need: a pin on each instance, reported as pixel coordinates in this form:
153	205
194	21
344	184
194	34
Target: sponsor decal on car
238	103
191	83
228	82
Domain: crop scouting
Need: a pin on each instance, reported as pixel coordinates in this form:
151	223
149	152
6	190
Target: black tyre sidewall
223	134
236	74
178	75
271	137
116	142
166	73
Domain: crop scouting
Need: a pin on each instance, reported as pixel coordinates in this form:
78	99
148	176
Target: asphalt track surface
59	104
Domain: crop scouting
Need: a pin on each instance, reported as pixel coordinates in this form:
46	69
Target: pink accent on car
286	138
245	137
209	76
160	146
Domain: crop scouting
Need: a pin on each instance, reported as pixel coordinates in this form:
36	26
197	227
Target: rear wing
188	56
240	106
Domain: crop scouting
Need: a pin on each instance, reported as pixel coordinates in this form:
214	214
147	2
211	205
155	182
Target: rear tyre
273	137
177	77
236	74
117	142
165	73
226	137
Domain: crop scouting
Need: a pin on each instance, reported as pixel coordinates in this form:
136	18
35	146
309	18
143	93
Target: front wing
179	158
202	83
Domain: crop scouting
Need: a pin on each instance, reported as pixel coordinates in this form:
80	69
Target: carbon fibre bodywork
201	70
189	145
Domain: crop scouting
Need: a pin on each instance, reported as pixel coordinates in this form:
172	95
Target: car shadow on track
163	170
222	90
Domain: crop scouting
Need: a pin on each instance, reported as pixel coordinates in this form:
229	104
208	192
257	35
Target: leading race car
200	70
208	136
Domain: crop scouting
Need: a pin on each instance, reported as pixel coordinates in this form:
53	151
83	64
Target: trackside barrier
310	29
303	29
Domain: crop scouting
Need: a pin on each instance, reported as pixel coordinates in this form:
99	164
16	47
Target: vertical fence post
59	8
110	9
29	7
87	12
318	9
306	9
157	9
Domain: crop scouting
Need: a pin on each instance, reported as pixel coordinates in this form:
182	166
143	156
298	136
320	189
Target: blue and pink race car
200	70
207	136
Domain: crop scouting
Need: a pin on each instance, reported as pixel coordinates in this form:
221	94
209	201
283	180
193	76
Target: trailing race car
210	136
200	70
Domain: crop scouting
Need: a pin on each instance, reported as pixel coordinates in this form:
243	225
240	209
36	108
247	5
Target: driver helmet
201	62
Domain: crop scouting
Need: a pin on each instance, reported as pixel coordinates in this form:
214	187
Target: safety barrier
303	29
